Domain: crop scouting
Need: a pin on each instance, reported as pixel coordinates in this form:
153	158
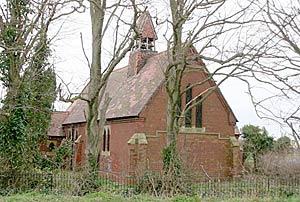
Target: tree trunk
95	129
172	129
98	79
93	140
92	136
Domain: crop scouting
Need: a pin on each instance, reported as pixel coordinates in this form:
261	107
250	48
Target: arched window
106	139
70	133
199	113
51	146
76	134
179	107
188	98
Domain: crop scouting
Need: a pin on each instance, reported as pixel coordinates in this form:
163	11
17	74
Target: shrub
284	163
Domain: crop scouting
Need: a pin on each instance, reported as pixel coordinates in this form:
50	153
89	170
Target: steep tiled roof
145	26
55	128
129	95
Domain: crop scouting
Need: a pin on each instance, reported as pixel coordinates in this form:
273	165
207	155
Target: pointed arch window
106	139
179	107
199	113
51	146
188	98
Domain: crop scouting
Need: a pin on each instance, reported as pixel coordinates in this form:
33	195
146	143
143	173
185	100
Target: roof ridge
118	69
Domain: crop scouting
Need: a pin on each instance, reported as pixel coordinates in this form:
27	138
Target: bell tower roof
147	34
145	26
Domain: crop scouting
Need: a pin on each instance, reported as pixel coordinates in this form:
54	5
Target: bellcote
144	46
147	34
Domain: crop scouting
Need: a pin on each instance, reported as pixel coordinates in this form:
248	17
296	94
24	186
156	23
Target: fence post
51	183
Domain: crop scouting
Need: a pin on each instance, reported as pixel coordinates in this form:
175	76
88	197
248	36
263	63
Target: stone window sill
105	153
191	130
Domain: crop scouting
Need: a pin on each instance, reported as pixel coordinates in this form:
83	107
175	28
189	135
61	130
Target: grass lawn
100	196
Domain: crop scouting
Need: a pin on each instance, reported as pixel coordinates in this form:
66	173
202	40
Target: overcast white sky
71	66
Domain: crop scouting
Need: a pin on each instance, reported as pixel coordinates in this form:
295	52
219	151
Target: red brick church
135	130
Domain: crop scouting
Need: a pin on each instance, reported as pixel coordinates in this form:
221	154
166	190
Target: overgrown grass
245	188
64	182
108	197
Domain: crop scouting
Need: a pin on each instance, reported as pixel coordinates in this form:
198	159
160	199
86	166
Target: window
199	113
106	139
73	134
70	133
179	107
51	146
76	134
188	98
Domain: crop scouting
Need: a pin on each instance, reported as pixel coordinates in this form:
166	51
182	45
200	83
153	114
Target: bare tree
279	66
105	15
202	24
269	60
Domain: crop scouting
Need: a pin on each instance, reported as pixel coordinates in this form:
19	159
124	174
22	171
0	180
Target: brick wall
121	132
80	146
208	151
205	152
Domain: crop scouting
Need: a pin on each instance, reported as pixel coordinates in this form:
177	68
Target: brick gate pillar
236	157
137	153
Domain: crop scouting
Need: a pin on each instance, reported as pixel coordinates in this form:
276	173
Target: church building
135	129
